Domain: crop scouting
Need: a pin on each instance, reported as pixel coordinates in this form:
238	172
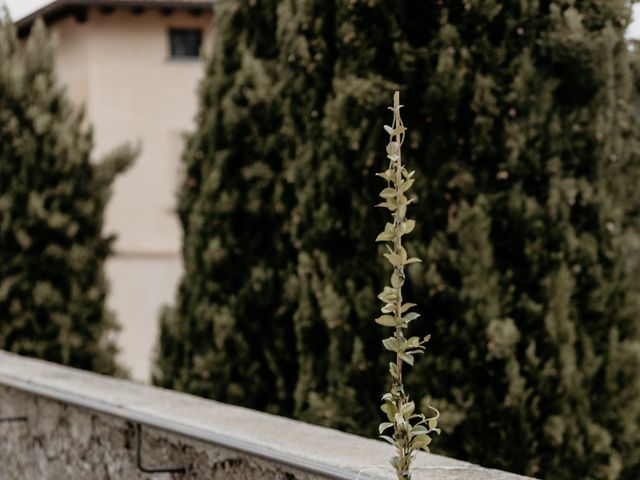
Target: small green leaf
407	185
386	321
385	237
418	430
407	409
411	316
420	441
394	259
388	234
390	409
390	204
383	426
402	211
387	439
407	306
407	357
388	308
409	226
396	280
388	193
390	344
388	295
386	175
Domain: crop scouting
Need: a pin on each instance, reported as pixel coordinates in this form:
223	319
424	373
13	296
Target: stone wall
60	441
79	425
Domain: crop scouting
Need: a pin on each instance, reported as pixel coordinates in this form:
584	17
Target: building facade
134	67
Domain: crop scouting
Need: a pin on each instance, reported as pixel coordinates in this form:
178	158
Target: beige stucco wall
118	67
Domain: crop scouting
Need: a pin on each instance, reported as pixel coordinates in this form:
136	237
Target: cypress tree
237	191
52	201
524	145
533	271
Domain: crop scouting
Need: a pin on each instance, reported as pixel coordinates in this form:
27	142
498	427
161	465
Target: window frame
173	31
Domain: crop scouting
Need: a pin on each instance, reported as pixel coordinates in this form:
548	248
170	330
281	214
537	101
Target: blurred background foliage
522	132
52	201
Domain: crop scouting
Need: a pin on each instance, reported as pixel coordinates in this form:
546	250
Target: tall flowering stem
410	430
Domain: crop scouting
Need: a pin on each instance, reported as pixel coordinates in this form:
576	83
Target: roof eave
24	24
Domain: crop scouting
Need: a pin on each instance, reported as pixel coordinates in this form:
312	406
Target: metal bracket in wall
12	419
180	470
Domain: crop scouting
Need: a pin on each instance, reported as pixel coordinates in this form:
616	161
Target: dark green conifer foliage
52	201
235	205
533	272
527	222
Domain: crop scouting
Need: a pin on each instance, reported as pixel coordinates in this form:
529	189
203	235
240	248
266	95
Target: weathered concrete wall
80	425
59	441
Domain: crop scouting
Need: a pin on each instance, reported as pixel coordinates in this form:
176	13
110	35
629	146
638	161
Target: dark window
185	43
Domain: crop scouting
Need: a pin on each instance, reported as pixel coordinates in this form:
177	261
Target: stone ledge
182	428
